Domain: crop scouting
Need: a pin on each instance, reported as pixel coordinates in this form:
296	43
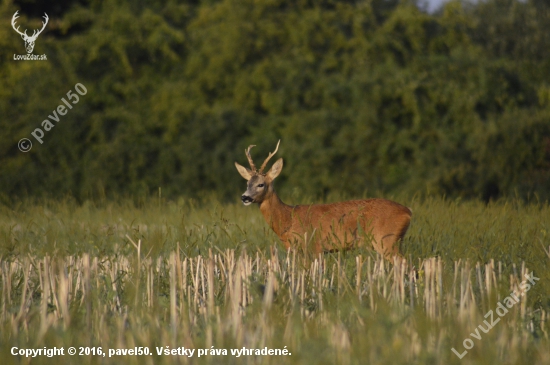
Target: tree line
368	97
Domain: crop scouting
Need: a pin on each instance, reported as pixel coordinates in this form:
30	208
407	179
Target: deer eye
260	185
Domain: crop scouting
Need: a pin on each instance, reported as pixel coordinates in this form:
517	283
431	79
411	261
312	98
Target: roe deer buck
327	227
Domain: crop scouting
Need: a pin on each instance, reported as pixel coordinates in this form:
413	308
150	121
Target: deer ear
245	173
275	169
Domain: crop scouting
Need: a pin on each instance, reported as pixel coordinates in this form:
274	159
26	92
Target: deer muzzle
247	200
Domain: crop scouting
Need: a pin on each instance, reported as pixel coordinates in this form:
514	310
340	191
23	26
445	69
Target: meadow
172	280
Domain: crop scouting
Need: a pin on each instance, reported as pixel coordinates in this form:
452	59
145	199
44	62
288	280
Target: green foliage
370	96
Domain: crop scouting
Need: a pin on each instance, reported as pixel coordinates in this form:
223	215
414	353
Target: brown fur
336	226
327	227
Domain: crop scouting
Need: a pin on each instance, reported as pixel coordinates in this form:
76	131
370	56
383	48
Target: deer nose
246	199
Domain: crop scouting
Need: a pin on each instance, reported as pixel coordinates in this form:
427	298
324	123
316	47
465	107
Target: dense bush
374	96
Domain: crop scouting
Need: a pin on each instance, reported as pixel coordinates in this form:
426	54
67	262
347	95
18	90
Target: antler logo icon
29	41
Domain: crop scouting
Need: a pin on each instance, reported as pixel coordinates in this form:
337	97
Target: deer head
29	41
259	183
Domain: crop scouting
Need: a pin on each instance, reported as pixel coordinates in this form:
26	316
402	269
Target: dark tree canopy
374	96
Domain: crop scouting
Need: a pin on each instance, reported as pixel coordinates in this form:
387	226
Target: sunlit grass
211	274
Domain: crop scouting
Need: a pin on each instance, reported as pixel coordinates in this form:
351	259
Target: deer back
347	224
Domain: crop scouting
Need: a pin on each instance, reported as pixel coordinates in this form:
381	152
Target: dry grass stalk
219	292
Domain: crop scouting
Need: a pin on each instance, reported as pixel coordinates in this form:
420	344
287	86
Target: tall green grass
204	275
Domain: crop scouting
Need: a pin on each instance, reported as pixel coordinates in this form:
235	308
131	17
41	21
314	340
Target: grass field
157	276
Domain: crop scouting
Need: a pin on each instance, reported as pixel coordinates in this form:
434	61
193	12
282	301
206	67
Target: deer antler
15	16
271	154
24	34
43	26
247	152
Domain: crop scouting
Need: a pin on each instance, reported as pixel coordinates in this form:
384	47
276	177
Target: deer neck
276	213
